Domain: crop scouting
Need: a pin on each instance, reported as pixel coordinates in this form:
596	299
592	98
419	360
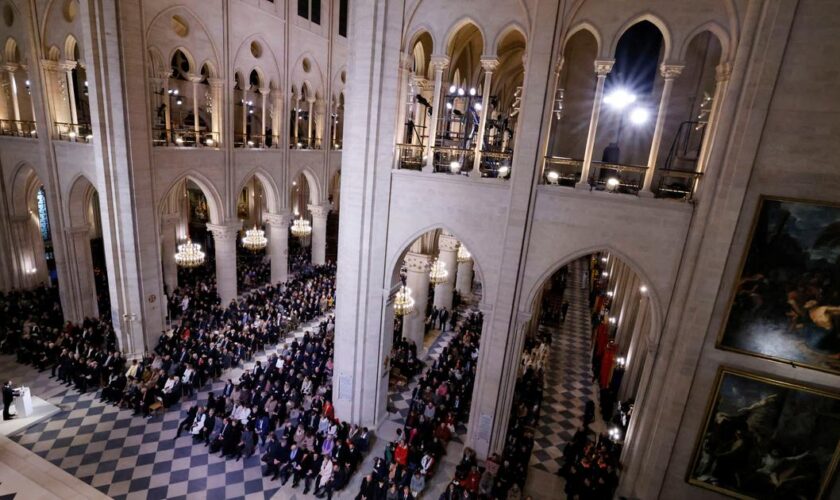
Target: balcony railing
184	138
496	164
562	171
616	177
18	128
305	143
410	156
453	160
677	184
74	132
256	141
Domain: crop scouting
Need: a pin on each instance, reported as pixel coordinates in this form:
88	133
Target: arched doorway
87	250
579	374
253	268
32	230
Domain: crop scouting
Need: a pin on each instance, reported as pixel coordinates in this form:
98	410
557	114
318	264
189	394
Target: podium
23	403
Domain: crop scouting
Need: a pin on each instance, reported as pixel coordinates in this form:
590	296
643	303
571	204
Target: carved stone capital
406	61
50	65
418	262
216	83
10	67
319	211
68	65
604	66
671	71
278	221
439	63
195	78
489	63
723	72
224	232
447	243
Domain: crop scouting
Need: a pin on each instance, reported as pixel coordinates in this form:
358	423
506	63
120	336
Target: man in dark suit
8	397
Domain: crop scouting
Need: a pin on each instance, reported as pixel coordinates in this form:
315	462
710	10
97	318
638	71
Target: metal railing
256	141
453	160
410	156
74	132
562	171
184	138
496	164
305	143
18	128
677	184
617	178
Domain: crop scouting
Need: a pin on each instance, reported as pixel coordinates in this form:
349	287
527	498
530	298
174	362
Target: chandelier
189	255
463	254
254	239
438	273
301	228
403	302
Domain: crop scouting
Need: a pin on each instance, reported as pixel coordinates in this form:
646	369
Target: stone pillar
216	86
448	247
636	351
26	238
263	111
11	68
169	245
319	233
167	109
722	74
195	80
602	69
439	63
278	245
318	123
489	64
310	121
82	267
296	121
224	241
417	280
276	118
669	72
68	67
464	280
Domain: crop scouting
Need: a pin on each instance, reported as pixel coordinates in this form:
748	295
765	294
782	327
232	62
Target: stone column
722	74
405	79
636	351
439	63
448	247
68	67
417	280
489	64
11	68
276	118
464	280
263	110
310	121
278	245
224	241
26	238
669	72
216	86
296	121
82	266
169	245
318	123
602	69
167	110
195	80
319	233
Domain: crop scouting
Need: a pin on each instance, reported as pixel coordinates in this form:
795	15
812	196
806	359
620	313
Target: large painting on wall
767	439
786	305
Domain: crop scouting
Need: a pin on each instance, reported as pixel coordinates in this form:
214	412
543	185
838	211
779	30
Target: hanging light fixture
403	302
254	239
189	254
301	228
463	254
438	272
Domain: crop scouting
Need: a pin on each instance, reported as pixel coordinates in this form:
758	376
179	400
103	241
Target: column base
583	186
645	193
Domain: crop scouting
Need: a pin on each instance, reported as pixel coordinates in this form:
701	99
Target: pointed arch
78	201
70	45
583	26
215	207
662	26
507	30
457	26
24	181
272	193
717	31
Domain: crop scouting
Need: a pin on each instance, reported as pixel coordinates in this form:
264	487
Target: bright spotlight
477	106
639	116
620	98
472	90
553	177
643	289
612	184
455	167
452	89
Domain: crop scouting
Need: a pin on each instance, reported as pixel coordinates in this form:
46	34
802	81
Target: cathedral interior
403	249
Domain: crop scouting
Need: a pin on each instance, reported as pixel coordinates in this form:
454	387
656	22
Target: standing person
8	397
564	308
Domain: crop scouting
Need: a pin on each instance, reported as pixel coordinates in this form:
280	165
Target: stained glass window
43	218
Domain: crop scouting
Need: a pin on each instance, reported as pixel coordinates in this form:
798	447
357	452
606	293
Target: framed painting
786	302
767	439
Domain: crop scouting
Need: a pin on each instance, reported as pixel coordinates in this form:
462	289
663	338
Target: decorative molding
603	66
319	211
489	63
723	72
417	262
671	71
224	232
447	243
439	63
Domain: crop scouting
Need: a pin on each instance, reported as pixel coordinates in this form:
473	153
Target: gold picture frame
727	339
778	389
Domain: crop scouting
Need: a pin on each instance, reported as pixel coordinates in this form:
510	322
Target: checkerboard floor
568	376
128	457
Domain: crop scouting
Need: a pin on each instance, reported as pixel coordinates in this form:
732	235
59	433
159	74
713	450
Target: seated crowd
440	401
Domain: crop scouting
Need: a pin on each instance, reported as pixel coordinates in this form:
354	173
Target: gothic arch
78	201
215	207
717	31
272	194
583	26
507	30
662	26
24	182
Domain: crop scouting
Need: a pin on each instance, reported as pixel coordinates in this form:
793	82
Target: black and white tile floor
568	376
126	456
